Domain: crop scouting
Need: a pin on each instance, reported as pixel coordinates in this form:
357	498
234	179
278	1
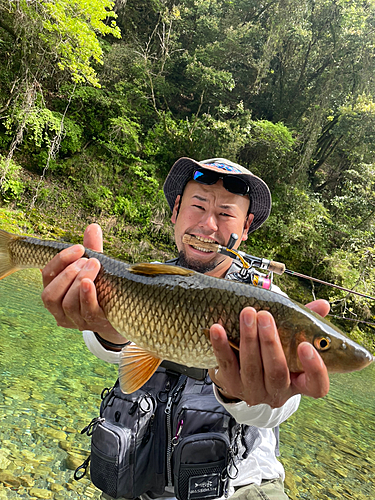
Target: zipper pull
179	388
89	429
179	430
168	407
133	408
149	430
231	471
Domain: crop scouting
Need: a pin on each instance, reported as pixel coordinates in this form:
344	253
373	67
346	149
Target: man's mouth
205	245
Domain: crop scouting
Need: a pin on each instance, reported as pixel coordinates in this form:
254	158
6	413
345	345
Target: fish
166	312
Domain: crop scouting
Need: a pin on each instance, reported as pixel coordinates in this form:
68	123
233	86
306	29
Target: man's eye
198	206
223	214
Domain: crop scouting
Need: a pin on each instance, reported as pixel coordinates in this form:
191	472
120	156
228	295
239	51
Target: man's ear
175	209
249	220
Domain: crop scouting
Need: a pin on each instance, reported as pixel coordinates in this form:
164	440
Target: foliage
11	184
90	123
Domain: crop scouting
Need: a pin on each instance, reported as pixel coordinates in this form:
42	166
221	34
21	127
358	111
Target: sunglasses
233	184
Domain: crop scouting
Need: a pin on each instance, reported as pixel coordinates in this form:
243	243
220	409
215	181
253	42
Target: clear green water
50	389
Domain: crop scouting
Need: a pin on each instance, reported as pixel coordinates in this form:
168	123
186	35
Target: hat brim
182	172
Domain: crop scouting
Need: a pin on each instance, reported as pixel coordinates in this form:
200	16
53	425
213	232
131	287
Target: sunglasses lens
231	183
206	177
235	185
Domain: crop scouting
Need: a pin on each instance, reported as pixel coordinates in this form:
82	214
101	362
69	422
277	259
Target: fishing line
352	319
304	276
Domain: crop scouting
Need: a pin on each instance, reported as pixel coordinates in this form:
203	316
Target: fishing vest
171	435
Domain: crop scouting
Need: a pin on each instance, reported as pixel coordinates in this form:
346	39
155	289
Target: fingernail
90	265
79	264
308	351
71	250
248	318
214	335
264	320
85	286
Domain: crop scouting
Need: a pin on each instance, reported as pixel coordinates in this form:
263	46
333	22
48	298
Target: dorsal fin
136	367
155	269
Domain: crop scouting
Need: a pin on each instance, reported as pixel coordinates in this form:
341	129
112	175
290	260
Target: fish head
339	353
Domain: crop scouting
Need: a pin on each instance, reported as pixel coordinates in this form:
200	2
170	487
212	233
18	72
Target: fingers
93	314
262	375
275	366
227	374
314	381
56	289
77	308
320	306
71	305
60	262
93	238
251	362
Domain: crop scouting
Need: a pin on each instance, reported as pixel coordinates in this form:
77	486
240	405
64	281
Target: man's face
211	213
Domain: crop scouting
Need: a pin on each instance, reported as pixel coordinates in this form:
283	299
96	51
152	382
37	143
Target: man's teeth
205	240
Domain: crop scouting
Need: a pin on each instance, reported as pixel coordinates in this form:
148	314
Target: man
209	200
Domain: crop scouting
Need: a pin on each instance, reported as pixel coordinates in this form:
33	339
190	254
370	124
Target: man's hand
69	291
264	376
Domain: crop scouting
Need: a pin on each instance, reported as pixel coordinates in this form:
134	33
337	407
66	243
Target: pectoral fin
136	367
232	343
155	269
234	346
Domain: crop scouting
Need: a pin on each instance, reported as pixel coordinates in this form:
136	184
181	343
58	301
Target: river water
50	389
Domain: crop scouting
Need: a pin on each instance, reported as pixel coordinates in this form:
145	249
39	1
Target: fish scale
167	311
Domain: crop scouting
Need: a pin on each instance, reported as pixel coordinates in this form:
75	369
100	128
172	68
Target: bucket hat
182	172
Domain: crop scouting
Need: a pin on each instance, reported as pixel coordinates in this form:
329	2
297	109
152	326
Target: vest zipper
173	398
168	412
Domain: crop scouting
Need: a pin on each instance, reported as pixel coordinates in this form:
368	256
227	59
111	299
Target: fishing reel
248	272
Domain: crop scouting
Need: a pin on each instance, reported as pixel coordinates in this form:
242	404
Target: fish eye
322	343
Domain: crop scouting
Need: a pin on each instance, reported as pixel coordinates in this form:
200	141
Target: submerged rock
9	480
41	493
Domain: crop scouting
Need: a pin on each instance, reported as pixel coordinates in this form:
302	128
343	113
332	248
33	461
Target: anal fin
136	367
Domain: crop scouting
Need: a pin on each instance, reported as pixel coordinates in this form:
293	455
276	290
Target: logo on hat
222	166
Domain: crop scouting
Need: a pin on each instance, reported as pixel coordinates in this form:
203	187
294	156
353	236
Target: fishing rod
250	261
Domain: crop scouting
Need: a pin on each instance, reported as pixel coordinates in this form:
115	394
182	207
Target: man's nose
209	221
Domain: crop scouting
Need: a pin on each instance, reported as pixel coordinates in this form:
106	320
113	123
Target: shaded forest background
98	99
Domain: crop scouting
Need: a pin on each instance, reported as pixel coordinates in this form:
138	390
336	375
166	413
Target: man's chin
195	264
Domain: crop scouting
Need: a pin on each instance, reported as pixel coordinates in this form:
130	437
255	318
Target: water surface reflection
50	390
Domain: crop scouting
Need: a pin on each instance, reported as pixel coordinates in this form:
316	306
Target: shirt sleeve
261	415
96	348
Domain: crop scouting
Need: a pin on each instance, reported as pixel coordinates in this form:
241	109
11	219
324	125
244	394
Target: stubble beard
195	264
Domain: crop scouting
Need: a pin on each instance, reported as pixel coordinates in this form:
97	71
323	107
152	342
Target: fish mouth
356	359
363	357
368	359
206	245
